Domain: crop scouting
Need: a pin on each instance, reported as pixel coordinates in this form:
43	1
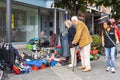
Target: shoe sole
80	68
86	70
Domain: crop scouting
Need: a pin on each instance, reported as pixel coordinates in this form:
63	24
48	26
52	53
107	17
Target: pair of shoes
71	65
86	69
108	68
81	67
113	70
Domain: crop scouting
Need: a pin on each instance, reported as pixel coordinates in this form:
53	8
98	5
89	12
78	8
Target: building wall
24	22
34	20
39	3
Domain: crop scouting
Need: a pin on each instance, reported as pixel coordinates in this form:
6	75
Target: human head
51	32
74	20
42	33
106	24
67	23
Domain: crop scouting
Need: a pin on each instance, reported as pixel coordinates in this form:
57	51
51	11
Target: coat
71	34
82	36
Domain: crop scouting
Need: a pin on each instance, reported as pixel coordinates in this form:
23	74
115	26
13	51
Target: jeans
110	56
115	51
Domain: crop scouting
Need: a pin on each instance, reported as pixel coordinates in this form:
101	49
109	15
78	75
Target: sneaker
108	68
71	65
113	70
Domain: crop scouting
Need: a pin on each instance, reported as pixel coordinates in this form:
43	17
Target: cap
112	20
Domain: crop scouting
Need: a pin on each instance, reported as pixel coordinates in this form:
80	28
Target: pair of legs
85	57
110	57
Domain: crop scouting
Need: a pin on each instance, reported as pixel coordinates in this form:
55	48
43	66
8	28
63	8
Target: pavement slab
42	74
65	74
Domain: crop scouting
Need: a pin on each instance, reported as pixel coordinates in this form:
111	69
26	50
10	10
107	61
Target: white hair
74	18
68	22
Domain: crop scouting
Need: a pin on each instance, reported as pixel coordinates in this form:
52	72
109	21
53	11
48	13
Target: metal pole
93	24
55	15
8	21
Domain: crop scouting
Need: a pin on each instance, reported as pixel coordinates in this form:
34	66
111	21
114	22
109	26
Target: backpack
118	32
8	56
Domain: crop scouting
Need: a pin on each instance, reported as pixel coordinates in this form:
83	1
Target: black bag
8	54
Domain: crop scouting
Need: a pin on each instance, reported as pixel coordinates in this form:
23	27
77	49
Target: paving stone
65	73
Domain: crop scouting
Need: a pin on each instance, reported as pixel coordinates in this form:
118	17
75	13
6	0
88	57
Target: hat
103	19
112	20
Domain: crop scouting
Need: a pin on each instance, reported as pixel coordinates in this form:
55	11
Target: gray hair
69	22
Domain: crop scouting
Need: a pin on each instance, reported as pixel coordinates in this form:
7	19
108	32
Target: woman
71	33
53	39
109	39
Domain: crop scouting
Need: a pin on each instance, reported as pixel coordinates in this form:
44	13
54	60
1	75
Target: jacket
82	36
71	34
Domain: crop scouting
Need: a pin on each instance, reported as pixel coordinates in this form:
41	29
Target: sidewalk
65	73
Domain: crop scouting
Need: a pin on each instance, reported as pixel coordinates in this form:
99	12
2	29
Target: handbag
110	39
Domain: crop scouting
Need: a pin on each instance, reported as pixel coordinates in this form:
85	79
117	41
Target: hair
74	18
108	23
68	22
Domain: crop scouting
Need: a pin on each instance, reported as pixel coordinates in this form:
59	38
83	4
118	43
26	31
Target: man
43	39
83	38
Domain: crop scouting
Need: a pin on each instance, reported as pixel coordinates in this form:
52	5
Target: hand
73	42
42	41
117	42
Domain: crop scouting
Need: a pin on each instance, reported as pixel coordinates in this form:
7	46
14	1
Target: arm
116	36
102	35
79	30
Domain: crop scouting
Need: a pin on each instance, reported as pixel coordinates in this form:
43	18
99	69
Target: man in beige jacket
83	38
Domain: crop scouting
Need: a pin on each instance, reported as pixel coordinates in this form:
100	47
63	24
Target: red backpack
118	32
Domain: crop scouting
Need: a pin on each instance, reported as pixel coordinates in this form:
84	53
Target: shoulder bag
110	39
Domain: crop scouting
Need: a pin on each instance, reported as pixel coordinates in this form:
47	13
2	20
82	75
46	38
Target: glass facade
24	22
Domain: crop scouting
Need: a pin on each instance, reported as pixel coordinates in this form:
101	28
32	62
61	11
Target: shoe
86	69
116	56
108	68
71	65
113	70
81	67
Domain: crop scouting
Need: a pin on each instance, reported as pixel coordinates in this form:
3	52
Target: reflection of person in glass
53	39
13	35
43	39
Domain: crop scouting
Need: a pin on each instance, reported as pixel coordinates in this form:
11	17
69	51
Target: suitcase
9	54
64	45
